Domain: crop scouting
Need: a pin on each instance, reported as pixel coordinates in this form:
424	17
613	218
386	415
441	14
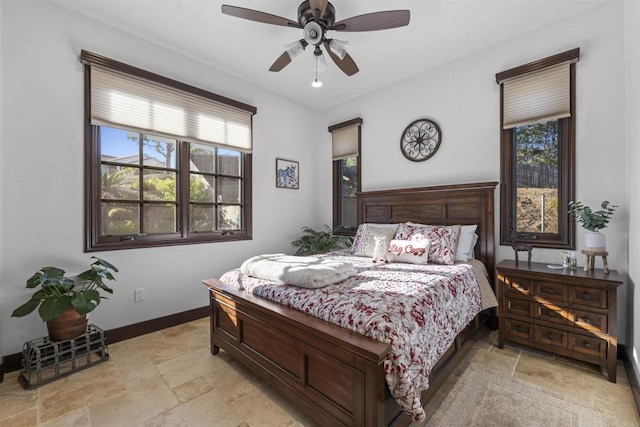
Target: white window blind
122	100
538	96
345	142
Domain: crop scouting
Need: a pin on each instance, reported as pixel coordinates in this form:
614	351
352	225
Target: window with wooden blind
537	137
166	163
346	137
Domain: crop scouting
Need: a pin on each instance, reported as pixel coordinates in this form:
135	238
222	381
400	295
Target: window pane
119	218
229	190
202	218
159	219
229	218
202	188
348	188
159	185
120	183
159	152
229	162
537	163
117	145
202	158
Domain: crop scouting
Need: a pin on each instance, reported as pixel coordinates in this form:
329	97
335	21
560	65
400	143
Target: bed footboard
330	373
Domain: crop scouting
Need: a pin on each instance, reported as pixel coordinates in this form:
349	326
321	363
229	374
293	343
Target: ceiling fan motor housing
306	14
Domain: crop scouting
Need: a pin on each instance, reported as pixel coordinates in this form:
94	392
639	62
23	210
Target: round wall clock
420	140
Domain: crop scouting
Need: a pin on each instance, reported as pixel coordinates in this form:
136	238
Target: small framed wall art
287	174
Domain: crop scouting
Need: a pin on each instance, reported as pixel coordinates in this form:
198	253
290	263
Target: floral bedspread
417	309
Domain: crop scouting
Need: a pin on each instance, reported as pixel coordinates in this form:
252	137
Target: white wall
464	99
2	279
632	50
42	164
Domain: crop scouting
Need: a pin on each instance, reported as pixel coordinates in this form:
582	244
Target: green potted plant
319	241
593	221
63	302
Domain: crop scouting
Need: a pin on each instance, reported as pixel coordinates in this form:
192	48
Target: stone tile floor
169	378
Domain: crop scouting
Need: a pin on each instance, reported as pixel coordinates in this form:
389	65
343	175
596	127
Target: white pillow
466	243
364	243
410	251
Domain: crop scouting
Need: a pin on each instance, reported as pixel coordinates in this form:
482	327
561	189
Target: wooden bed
332	374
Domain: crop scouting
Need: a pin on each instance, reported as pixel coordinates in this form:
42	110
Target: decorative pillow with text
364	243
410	251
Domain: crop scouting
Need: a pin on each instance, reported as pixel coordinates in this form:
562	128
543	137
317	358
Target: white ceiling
440	31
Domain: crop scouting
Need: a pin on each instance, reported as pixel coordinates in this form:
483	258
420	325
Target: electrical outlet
138	295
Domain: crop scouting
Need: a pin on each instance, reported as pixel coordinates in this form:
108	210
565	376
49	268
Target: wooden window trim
92	240
565	238
337	205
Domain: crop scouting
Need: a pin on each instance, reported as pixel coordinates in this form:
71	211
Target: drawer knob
586	344
519	328
551	291
550	313
586	320
550	335
586	296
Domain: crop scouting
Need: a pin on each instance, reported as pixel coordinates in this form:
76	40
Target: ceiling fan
315	18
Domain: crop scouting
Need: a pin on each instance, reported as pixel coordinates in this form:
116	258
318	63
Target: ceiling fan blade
374	21
347	65
282	61
320	5
254	15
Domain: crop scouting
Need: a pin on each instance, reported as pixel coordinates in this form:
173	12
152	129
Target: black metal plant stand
44	360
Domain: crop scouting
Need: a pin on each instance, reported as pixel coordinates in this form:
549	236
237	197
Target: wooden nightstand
571	312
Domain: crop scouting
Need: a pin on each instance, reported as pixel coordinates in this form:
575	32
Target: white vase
594	240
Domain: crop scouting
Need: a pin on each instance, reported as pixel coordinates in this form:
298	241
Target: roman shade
126	100
345	140
536	97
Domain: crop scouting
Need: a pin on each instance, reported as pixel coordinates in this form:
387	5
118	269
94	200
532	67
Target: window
538	152
346	175
166	163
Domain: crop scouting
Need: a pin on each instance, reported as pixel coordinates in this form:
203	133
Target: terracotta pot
68	325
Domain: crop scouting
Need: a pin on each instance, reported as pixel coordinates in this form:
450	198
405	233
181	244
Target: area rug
481	398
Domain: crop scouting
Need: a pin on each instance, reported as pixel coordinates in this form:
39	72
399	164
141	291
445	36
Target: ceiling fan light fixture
313	33
316	83
294	49
339	47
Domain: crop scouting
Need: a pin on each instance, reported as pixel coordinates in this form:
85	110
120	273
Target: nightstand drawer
590	321
551	291
551	336
519	307
591	346
518	286
516	328
593	297
551	313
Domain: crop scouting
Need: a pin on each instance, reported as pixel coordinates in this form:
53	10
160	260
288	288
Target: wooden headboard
463	204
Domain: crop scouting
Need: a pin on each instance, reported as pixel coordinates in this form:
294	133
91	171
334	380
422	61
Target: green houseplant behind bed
316	242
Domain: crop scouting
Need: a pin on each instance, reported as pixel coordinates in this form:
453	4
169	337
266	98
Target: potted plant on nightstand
593	222
63	302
